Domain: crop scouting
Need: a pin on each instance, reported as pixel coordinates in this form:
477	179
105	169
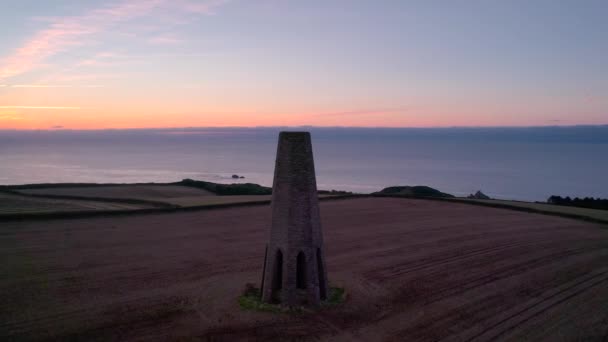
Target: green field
66	199
170	194
594	214
16	204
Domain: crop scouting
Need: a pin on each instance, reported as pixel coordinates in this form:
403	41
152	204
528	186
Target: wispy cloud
165	39
54	86
82	76
41	107
10	117
103	59
200	7
66	32
365	112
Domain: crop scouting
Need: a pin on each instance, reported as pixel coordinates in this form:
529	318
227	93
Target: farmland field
15	204
173	194
596	214
414	270
183	196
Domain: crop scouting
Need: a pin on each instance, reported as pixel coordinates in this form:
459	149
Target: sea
528	164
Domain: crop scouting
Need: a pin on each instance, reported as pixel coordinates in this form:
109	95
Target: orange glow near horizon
197	63
26	119
121	108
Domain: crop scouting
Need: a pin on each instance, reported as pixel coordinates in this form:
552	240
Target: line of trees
587	202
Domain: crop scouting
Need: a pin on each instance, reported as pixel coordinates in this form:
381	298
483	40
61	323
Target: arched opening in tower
301	271
277	279
322	289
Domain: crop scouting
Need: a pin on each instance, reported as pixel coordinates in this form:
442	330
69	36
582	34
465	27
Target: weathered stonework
294	270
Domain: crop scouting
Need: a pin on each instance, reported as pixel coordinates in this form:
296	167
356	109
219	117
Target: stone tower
294	267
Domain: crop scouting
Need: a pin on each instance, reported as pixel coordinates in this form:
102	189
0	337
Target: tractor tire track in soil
412	269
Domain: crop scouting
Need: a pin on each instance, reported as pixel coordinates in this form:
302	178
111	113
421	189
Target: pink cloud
102	59
11	116
55	86
66	32
366	112
41	107
165	39
79	77
198	6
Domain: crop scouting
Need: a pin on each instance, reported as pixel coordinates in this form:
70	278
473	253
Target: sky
74	64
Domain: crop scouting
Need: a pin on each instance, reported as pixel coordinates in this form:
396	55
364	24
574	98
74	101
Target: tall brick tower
294	269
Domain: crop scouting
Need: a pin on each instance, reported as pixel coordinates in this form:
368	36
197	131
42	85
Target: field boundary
504	206
163	207
158	210
89	198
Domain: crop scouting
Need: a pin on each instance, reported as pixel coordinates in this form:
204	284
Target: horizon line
289	127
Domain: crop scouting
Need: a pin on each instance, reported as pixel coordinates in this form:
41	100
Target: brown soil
414	270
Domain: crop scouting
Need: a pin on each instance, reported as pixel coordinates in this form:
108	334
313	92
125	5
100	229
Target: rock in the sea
479	195
242	177
235	176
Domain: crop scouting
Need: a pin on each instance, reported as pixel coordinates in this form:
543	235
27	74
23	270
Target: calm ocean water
508	163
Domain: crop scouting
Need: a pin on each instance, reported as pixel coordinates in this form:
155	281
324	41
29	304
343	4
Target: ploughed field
413	270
